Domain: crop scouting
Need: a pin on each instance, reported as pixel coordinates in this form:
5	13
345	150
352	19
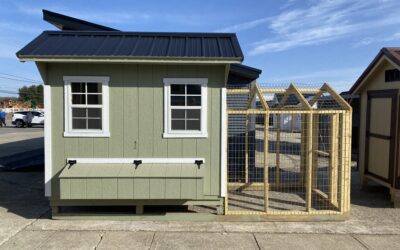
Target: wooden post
333	159
315	147
309	162
303	151
278	149
343	165
348	115
266	179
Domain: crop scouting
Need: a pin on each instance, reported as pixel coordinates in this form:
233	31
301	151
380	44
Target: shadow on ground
22	194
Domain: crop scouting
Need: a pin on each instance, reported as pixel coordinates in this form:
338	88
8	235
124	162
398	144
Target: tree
32	94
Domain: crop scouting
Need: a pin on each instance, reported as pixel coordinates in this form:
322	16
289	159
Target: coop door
380	134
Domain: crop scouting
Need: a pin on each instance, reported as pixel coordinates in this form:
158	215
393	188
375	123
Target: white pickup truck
20	121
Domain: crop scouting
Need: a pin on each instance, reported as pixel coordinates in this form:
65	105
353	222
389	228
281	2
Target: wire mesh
291	157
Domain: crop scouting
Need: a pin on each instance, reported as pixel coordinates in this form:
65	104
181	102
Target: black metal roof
131	45
64	22
240	74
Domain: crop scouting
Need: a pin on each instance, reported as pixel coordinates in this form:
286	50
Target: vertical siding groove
136	94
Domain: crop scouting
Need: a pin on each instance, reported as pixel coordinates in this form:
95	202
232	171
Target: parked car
19	118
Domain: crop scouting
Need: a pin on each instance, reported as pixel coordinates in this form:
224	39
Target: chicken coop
290	174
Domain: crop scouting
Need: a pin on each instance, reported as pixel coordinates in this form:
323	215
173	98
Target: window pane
193	113
94	124
178	113
177	89
193	124
193	101
94	99
78	123
93	87
194	89
178	124
177	100
78	87
78	112
78	99
94	112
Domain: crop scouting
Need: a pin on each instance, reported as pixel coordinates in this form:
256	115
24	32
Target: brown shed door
380	134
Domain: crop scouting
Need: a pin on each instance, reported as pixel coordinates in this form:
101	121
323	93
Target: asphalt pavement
21	147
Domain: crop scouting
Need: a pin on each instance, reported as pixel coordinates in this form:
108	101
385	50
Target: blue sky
308	41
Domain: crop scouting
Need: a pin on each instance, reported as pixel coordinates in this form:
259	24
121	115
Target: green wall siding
136	124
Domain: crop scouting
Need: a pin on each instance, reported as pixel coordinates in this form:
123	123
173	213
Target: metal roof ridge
158	33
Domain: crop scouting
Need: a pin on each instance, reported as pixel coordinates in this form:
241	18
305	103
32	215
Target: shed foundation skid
132	207
289	174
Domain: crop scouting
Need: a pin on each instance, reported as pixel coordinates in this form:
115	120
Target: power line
29	79
19	80
8	92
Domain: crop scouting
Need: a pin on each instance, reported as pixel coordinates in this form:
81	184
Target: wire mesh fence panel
286	178
245	164
288	151
325	162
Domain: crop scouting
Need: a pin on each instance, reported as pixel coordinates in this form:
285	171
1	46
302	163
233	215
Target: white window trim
68	131
168	132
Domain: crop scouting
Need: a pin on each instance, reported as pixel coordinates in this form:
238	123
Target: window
86	106
392	75
185	107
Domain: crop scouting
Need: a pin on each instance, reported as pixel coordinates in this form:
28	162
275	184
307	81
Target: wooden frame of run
337	197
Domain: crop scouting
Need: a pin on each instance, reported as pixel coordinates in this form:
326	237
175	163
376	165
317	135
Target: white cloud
370	40
245	25
288	4
325	21
320	22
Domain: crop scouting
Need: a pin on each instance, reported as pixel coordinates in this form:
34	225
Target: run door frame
393	94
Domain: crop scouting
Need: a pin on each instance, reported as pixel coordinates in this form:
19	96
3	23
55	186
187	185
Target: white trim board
47	140
130	160
224	142
68	131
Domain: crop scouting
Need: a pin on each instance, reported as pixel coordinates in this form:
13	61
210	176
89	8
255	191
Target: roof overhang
383	55
128	60
64	22
240	74
245	71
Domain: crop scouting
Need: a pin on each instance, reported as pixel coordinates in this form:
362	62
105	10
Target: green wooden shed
133	118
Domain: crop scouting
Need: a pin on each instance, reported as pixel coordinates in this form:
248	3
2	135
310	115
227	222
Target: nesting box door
380	134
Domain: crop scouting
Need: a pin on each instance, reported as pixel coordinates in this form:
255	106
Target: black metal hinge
198	162
137	163
71	162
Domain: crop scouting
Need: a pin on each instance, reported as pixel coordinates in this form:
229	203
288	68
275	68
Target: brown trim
393	94
383	52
